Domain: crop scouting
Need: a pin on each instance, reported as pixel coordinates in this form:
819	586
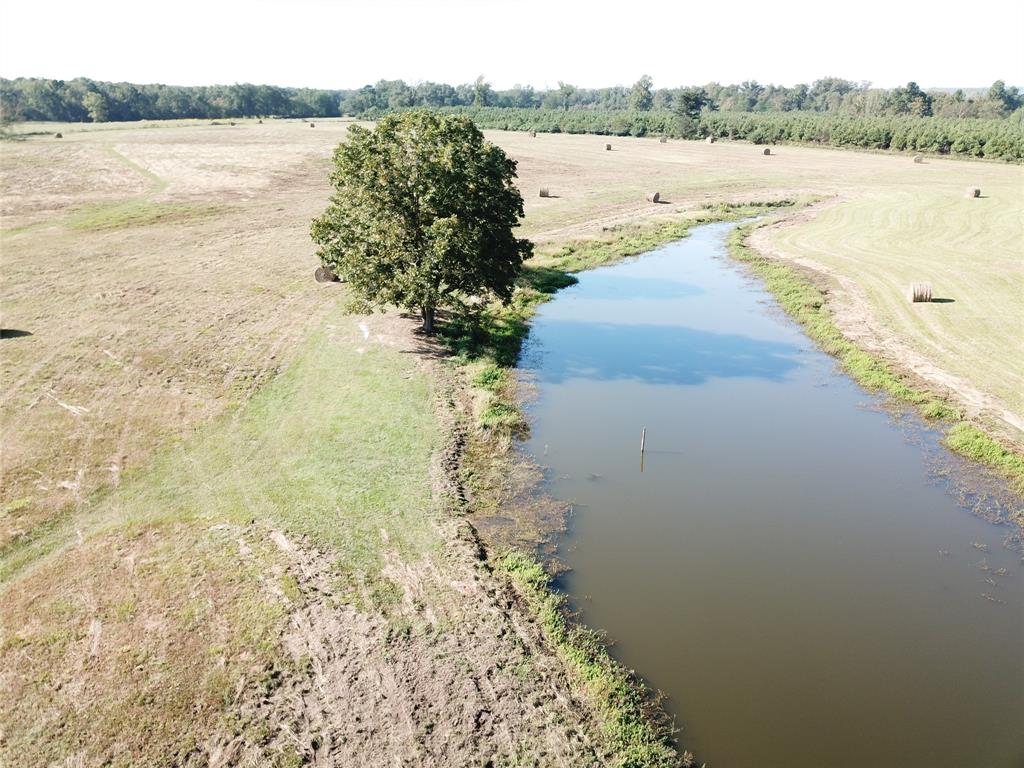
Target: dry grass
162	275
149	312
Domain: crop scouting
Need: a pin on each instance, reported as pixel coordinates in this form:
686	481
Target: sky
345	44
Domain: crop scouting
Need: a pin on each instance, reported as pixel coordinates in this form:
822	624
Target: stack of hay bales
920	292
653	197
918	158
710	140
972	192
545	192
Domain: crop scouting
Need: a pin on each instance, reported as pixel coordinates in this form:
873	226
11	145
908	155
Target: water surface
787	566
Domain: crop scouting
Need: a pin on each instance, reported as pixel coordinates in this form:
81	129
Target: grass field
972	253
183	405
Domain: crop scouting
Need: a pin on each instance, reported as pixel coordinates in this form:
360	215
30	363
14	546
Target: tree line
999	139
831	111
83	99
832	95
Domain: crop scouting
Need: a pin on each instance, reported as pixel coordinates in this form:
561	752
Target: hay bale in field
231	123
918	158
533	134
710	140
663	139
545	192
654	197
325	275
608	147
920	292
972	192
260	121
312	125
58	135
767	150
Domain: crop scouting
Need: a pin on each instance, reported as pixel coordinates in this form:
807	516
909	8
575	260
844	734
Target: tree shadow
13	333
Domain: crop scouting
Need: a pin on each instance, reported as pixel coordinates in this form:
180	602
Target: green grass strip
638	733
805	302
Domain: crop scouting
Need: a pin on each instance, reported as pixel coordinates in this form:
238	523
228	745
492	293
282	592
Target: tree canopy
84	99
422	214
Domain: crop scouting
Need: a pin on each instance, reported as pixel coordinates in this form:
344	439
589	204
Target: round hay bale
918	158
710	140
260	121
972	192
767	150
325	275
533	134
545	192
608	147
654	197
920	292
312	125
58	135
231	123
663	139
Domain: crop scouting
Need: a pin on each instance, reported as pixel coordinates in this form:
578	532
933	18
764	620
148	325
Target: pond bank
780	504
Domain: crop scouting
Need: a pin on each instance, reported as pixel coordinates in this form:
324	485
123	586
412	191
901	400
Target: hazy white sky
344	44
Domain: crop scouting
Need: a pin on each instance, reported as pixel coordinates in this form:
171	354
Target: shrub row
991	139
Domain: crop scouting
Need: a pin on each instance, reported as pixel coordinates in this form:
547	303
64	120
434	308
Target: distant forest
984	123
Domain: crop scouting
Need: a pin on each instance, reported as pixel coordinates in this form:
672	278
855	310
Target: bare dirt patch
466	679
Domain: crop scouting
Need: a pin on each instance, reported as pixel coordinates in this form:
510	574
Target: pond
791	563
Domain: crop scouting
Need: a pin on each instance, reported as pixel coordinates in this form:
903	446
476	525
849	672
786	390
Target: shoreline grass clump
972	442
636	726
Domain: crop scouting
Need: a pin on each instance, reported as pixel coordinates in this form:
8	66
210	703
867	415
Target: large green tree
422	215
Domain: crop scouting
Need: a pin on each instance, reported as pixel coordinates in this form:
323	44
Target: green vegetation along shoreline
807	304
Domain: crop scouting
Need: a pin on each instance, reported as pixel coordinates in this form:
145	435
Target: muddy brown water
793	565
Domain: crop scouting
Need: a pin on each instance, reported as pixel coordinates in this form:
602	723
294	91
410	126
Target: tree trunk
428	319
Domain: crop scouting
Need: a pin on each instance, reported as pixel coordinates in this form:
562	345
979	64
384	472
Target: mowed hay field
217	486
